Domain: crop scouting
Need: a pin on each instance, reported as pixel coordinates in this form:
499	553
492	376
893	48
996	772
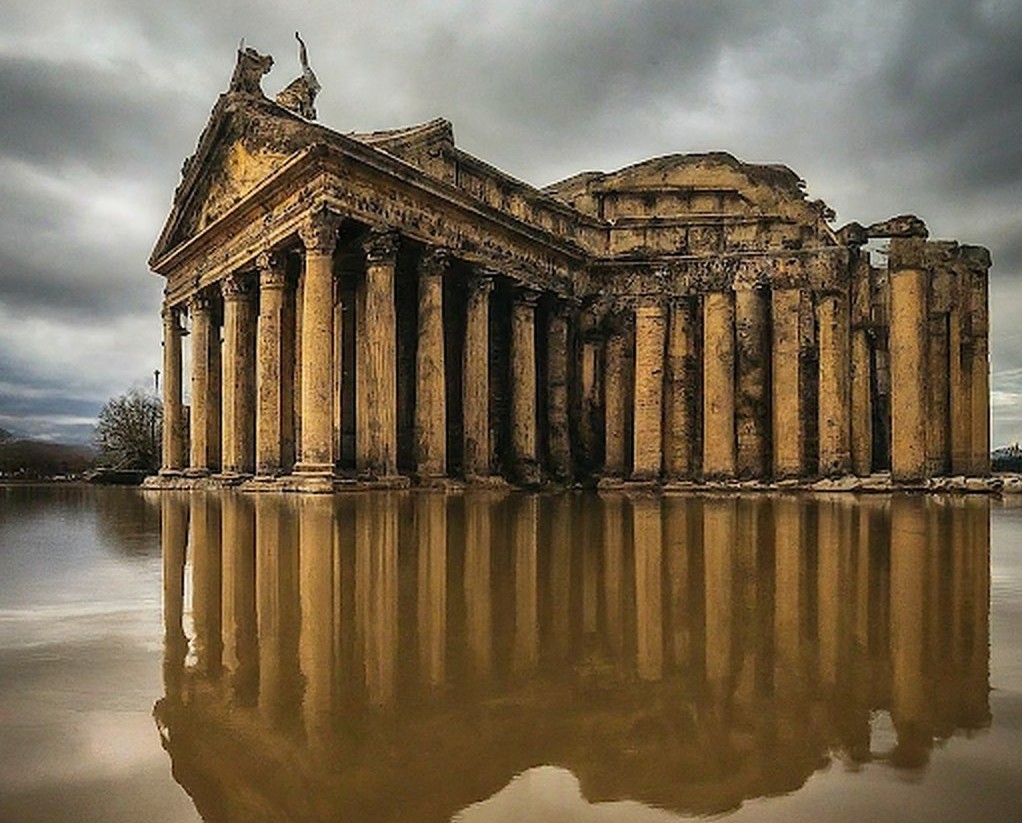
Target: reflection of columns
647	437
524	524
752	411
376	451
834	396
478	598
678	513
649	610
615	400
476	378
320	238
173	539
204	541
276	608
376	595
239	375
431	539
861	397
909	302
523	385
719	385
789	594
430	379
680	393
613	563
316	637
269	366
239	597
909	551
829	591
200	308
718	542
558	434
173	420
788	435
561	543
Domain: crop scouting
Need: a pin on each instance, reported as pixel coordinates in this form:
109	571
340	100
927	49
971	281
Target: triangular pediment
245	141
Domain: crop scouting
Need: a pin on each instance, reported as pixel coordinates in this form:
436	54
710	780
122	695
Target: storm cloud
883	106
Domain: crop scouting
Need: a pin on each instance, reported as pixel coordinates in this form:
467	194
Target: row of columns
757	382
253	400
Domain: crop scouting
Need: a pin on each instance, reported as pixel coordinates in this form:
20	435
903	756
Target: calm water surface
505	657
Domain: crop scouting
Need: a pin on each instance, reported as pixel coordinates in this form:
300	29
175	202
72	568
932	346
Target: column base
196	472
527	473
171	472
231	478
314	470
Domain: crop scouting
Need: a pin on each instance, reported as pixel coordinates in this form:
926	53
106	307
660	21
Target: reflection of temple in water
400	656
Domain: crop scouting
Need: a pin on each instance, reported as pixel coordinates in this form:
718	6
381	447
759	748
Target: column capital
482	280
381	246
434	261
200	302
236	286
527	296
650	308
170	314
319	232
272	270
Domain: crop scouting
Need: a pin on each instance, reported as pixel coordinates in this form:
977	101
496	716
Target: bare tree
129	431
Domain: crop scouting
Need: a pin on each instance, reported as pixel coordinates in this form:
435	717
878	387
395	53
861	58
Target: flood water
487	657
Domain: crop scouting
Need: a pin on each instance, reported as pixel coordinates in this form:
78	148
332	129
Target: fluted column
376	439
591	385
615	383
681	433
960	345
173	411
319	235
200	307
239	375
647	436
430	374
909	289
476	378
834	397
861	393
558	433
523	386
719	385
270	366
788	435
752	355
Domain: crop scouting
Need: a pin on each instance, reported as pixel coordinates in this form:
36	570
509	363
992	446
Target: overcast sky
883	106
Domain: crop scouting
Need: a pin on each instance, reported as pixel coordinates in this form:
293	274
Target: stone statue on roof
299	95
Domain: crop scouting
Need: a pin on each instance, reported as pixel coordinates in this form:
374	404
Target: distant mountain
36	459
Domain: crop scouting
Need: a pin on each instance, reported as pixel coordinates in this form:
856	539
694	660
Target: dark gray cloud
884	106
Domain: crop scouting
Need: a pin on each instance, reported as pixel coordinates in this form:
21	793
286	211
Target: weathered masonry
384	306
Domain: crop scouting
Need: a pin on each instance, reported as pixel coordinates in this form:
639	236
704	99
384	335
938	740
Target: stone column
173	412
591	385
909	289
680	425
834	395
239	376
430	374
960	356
199	307
476	378
558	432
319	235
979	260
376	448
523	386
938	370
647	435
752	408
615	387
861	395
788	435
270	366
719	385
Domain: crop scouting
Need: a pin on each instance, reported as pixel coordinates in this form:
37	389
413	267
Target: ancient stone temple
384	307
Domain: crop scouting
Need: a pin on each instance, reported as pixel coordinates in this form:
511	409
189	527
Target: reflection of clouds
547	794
